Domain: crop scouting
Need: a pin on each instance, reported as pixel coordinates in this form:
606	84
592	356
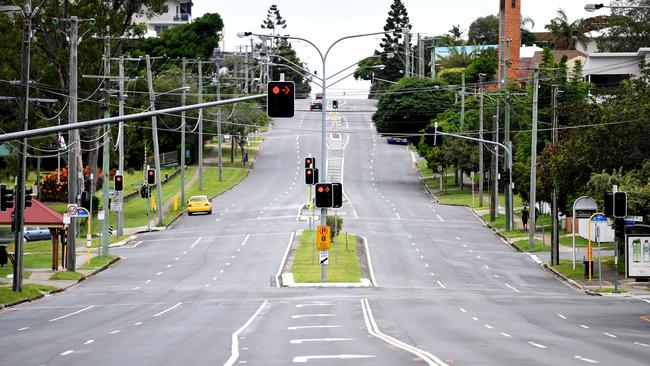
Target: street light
593	7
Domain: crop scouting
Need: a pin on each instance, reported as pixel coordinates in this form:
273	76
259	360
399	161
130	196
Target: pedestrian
524	218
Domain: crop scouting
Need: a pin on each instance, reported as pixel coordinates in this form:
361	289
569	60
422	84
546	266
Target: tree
273	19
627	29
566	33
390	45
410	105
484	30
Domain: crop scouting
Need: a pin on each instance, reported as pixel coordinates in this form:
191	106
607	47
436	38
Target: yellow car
199	204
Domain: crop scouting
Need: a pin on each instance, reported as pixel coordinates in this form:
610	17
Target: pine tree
273	19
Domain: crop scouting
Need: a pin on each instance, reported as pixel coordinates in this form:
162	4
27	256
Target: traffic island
348	262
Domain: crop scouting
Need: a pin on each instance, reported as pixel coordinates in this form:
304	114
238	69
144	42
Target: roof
527	64
37	215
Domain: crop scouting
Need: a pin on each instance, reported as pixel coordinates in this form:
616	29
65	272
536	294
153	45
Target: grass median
343	264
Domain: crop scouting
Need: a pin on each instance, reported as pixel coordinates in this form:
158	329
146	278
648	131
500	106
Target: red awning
37	215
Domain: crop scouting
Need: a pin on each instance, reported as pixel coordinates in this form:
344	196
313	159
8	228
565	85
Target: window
514	3
159	29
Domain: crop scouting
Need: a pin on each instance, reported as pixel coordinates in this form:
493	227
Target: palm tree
565	33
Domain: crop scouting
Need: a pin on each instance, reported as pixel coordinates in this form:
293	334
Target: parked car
199	204
316	104
37	233
397	140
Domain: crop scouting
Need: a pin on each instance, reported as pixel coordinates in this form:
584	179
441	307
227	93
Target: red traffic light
275	90
320	189
308	171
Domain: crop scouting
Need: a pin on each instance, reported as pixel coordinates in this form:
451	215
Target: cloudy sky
323	22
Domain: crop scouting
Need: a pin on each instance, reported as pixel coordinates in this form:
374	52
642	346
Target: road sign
72	210
116	206
82	212
101	215
323	240
66	219
324	257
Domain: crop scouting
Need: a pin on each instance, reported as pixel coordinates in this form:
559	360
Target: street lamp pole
593	7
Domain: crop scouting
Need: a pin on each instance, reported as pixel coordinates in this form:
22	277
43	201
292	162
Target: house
528	63
608	69
178	12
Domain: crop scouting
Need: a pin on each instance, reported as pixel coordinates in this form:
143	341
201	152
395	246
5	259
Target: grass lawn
99	261
7	296
582	242
67	276
343	267
566	268
539	247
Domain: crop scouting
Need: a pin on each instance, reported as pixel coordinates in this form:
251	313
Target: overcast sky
323	22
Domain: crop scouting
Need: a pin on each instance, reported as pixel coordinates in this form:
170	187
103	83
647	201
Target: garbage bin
3	255
587	268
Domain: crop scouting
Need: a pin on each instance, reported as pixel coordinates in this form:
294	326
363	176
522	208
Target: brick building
510	28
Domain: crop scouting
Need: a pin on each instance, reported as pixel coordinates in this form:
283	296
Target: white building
608	69
178	12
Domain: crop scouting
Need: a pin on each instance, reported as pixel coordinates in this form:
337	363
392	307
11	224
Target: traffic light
620	204
335	104
280	99
310	163
609	204
144	191
151	176
6	198
337	195
309	176
324	195
118	182
28	197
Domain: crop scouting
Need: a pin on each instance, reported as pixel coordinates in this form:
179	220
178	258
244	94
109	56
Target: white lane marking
486	266
474	318
398	216
221	271
440	218
560	315
300	341
214	278
610	335
243	243
136	244
464	245
313	327
89	341
417	249
158	274
496	276
488	326
114	332
315	304
184	252
642	344
369	260
227	264
457	238
505	335
170	309
147	281
373	329
300	316
234	348
169	266
426	265
283	261
463	310
584	326
478	257
207	285
440	284
421	256
71	314
513	289
431	273
176	259
305	359
138	323
67	352
233	257
588	360
536	345
197	241
24	328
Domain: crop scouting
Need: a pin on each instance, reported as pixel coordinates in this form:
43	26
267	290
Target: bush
338	220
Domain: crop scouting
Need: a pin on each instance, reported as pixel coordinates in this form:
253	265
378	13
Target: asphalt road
204	292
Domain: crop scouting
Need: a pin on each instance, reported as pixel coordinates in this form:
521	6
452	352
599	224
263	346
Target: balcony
182	17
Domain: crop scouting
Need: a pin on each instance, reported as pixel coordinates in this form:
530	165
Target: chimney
510	28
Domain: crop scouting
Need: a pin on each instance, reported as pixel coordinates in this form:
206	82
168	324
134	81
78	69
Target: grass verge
343	267
67	276
32	291
539	246
566	268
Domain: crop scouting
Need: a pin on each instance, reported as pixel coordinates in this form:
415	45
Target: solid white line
585	359
316	304
373	329
305	359
313	326
136	244
610	335
440	284
67	352
536	345
170	309
300	316
370	269
513	289
234	348
75	313
560	315
300	341
506	335
196	242
243	243
284	259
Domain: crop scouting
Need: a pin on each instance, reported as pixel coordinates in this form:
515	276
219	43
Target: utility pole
107	141
217	66
200	138
533	161
495	177
506	140
19	202
183	101
246	66
73	144
480	144
119	196
420	56
156	153
462	100
555	235
433	60
407	52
